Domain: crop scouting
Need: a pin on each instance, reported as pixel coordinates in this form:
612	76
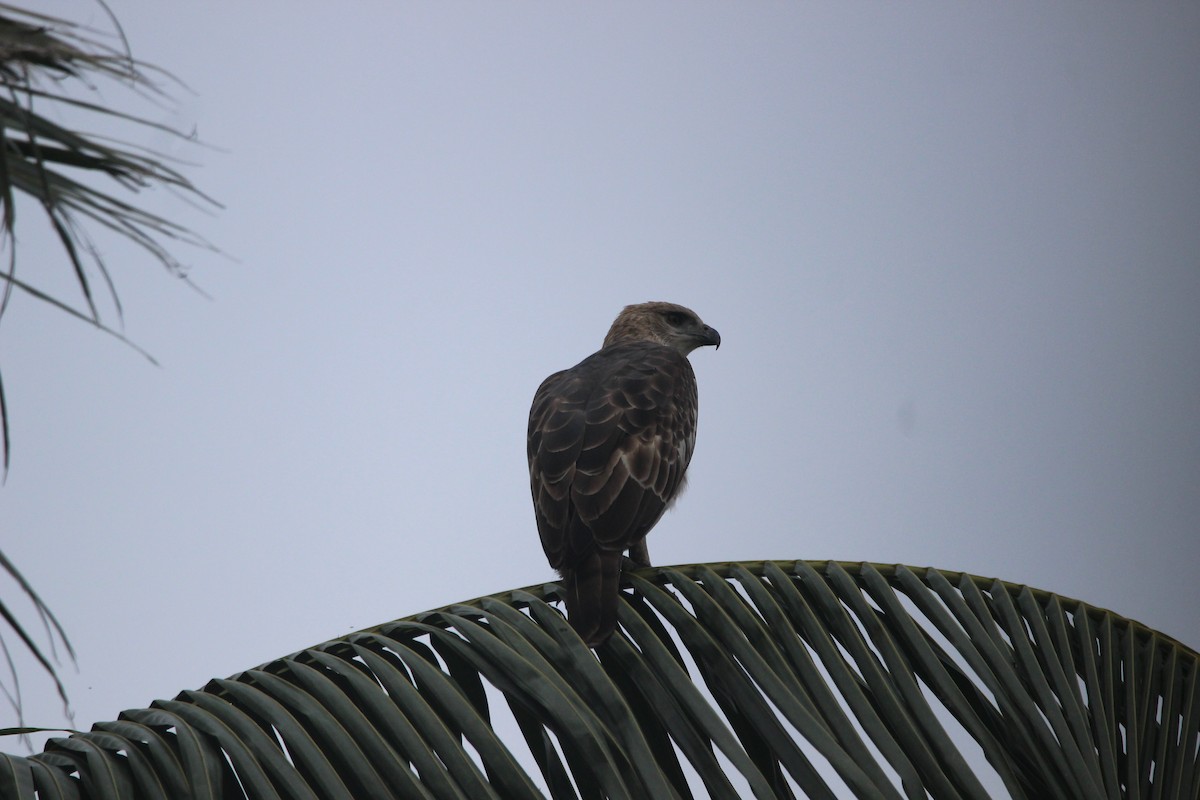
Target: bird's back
609	442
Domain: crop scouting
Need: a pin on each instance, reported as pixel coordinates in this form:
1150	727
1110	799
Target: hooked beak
710	336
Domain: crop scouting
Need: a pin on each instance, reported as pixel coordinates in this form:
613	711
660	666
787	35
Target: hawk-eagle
609	444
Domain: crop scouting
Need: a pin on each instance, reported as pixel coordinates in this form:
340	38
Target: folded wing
609	443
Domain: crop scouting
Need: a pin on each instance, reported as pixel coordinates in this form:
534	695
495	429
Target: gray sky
953	253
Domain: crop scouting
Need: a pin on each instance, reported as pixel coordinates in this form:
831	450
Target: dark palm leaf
77	179
765	679
52	628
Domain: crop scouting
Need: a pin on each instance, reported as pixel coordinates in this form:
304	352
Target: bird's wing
609	443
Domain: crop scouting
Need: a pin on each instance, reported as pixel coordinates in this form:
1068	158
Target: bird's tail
592	592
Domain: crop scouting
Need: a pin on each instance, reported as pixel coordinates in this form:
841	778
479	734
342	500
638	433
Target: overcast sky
953	251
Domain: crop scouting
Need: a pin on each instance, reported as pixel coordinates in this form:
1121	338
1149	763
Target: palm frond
763	679
53	631
76	178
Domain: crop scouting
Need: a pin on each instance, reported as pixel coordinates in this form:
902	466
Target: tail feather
592	593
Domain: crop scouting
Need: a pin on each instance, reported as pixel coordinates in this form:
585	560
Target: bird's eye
676	318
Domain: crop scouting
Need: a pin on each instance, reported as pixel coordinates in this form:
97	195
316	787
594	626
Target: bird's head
665	323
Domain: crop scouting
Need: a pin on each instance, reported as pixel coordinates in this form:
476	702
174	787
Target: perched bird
609	444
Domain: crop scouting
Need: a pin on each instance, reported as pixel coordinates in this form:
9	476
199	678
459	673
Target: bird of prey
609	444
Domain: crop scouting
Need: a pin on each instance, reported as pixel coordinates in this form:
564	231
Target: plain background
953	252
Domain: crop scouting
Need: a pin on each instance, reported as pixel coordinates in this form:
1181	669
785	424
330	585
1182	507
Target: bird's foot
628	563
